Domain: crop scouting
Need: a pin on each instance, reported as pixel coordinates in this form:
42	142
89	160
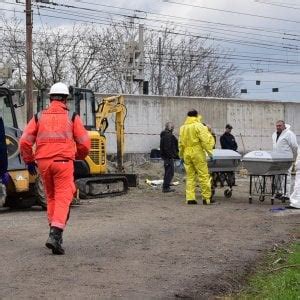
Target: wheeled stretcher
268	173
222	166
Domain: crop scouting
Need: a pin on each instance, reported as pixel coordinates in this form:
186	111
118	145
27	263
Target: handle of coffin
258	153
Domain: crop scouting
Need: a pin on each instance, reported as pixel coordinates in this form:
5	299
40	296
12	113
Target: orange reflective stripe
54	135
52	138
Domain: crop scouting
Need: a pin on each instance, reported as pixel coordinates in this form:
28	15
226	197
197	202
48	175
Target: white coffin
267	162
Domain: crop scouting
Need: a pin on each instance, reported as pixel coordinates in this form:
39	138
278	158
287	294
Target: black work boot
54	241
191	202
168	190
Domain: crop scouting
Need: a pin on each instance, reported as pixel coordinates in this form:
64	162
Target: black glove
31	167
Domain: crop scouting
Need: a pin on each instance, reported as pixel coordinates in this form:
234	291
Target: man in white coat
295	197
284	140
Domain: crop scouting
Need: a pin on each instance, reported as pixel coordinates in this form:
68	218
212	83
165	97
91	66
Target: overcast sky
262	35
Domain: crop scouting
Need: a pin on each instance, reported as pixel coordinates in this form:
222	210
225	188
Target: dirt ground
143	245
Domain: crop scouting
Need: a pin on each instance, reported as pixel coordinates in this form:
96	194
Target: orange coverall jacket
55	136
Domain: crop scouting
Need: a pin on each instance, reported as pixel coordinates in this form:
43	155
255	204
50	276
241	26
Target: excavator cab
82	101
7	109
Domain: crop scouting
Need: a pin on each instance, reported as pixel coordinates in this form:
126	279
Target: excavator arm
113	105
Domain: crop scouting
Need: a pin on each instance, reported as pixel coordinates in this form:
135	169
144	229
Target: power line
187	19
278	4
262	45
245	52
88	9
190	25
258	44
193	55
182	33
232	12
171	16
172	33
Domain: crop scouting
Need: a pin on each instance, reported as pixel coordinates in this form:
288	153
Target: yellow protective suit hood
194	133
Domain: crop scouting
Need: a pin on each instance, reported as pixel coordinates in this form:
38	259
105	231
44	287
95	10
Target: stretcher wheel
250	200
272	201
261	198
228	193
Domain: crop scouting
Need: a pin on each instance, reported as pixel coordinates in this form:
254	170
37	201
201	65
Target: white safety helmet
59	88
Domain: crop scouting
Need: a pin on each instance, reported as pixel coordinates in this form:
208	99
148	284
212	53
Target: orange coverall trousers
58	180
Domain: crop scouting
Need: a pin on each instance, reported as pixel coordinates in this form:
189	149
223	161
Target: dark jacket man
168	152
227	140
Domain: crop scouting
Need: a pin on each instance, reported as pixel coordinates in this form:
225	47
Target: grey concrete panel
254	122
292	117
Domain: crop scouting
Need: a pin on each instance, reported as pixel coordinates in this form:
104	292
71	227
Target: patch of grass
278	279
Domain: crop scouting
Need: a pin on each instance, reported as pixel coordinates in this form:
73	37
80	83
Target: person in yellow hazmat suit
195	142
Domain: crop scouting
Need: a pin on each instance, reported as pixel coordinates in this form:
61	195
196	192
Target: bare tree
155	61
85	59
190	68
118	75
13	44
97	58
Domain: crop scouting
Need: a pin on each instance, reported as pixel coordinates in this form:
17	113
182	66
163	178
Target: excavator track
102	186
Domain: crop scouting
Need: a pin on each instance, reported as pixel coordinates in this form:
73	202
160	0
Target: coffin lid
267	156
225	154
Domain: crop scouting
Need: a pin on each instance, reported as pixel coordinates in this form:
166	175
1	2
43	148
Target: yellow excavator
92	176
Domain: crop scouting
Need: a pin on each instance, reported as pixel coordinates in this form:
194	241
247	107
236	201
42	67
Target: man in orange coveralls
60	137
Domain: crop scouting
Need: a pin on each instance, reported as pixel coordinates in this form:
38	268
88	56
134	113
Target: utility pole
141	59
135	59
29	83
207	85
160	91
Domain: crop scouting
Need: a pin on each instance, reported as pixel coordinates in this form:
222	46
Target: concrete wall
253	121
